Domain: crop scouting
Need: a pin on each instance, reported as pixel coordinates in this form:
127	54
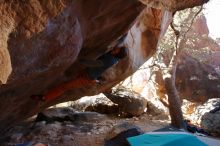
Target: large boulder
42	43
197	81
197	74
129	102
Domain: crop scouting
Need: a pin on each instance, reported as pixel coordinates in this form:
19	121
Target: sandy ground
86	132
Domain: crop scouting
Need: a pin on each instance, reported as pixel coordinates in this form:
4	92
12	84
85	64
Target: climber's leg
80	81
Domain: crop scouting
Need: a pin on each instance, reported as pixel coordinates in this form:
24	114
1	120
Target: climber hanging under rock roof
90	75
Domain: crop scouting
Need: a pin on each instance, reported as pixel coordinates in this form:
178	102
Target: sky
212	13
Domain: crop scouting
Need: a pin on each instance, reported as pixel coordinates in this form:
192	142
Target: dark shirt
108	60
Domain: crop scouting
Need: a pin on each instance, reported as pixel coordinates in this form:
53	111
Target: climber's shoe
38	97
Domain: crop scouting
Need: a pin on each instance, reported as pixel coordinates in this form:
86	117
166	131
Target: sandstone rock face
42	39
174	5
42	43
196	81
197	75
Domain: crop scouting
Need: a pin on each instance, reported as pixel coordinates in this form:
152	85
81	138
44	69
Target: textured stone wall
42	43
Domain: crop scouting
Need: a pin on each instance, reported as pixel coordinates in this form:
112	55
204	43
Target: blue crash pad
165	140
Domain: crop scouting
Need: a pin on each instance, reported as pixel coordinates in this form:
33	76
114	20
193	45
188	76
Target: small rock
136	118
16	136
40	124
89	117
67	140
72	126
56	125
120	128
211	123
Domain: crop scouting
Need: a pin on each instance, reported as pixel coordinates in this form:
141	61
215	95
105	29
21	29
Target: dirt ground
91	129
